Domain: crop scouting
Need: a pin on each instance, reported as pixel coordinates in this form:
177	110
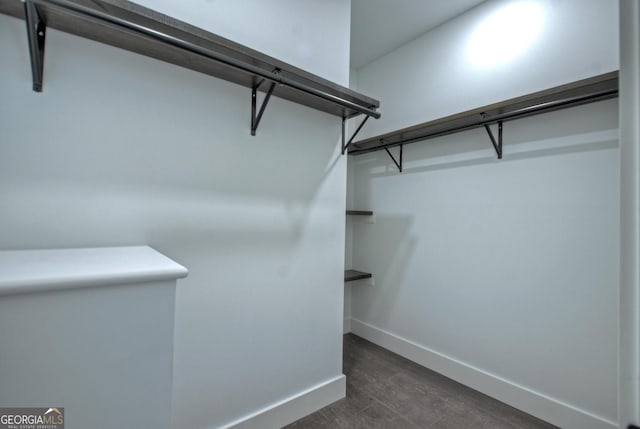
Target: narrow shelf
359	213
352	275
129	26
585	91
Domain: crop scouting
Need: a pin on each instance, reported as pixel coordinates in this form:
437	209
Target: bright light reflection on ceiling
505	34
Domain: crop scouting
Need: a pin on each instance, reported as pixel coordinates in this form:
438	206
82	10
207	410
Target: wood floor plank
387	391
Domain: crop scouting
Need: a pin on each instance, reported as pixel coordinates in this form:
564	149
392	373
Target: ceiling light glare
505	34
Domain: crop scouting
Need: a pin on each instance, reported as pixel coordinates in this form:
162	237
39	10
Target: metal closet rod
188	46
504	117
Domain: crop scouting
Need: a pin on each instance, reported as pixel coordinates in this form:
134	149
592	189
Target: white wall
501	274
434	76
291	31
121	149
509	267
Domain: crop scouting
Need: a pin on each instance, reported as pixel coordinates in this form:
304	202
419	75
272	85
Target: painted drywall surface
629	210
120	149
443	73
292	31
92	350
508	266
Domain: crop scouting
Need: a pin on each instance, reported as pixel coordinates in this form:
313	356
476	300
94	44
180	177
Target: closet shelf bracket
497	145
255	119
36	35
346	145
398	164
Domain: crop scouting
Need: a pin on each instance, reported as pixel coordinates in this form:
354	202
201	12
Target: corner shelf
359	213
352	275
584	91
126	25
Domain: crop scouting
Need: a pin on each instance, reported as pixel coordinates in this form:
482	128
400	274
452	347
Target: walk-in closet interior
320	214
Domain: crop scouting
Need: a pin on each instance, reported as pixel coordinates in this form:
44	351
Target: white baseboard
346	326
295	407
537	404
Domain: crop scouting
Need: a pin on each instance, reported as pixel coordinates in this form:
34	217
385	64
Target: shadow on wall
392	259
151	124
474	205
136	145
122	149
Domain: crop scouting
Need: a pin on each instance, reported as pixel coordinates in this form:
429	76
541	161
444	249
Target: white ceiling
380	26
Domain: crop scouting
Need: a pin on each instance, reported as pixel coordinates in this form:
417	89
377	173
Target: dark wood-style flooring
386	391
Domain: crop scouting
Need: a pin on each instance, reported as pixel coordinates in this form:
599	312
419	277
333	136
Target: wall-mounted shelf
353	275
135	28
585	91
359	213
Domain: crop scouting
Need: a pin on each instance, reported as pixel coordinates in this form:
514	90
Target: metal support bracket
345	146
497	145
36	35
255	119
398	164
